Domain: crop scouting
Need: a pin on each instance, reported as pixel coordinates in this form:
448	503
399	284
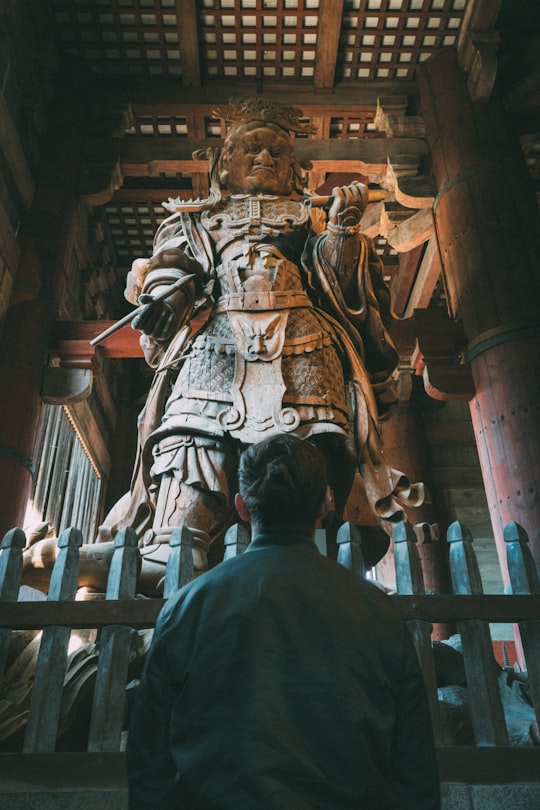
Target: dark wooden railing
117	615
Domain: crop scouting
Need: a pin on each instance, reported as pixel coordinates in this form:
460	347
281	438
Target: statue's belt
262	300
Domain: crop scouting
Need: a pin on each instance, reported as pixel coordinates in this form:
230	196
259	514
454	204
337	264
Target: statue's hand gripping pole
148	299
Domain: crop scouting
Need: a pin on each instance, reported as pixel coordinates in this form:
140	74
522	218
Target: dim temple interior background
102	104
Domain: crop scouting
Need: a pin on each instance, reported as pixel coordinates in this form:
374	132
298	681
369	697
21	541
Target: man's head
282	483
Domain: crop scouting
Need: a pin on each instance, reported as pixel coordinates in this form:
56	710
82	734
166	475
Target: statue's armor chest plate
266	360
256	277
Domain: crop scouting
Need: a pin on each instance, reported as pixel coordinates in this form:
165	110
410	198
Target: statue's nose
265	158
258	346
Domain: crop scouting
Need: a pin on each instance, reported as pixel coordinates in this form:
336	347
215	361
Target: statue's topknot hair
245	110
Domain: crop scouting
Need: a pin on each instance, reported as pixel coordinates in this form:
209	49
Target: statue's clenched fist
348	204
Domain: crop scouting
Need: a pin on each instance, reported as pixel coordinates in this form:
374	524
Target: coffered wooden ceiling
160	67
293	40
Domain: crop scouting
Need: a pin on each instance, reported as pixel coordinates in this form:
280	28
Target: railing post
410	580
524	579
236	541
349	543
46	699
180	563
10	577
109	703
409	576
480	666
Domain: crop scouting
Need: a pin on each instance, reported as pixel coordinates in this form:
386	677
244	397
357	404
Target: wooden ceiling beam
408	233
330	16
188	42
426	279
320	109
402	282
170	92
141	157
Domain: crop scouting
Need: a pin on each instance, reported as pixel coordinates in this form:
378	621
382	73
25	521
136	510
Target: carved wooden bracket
61	386
101	173
434	345
99	181
393	121
71	347
71	344
478	56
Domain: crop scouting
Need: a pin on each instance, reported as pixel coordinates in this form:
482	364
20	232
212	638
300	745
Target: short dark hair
282	481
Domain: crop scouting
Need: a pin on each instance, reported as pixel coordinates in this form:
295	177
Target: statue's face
260	163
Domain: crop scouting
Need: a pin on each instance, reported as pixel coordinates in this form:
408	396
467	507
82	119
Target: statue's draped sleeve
360	316
364	312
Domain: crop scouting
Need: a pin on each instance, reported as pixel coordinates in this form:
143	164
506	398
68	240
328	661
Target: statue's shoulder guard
241	212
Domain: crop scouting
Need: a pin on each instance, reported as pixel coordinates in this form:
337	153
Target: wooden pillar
39	295
22	358
488	228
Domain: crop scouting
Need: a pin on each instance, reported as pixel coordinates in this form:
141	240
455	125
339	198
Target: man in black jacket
279	680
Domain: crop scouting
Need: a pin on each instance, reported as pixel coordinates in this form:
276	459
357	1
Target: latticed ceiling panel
120	36
355	126
388	39
147	122
257	39
133	225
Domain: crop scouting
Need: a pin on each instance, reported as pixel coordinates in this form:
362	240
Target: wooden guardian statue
296	340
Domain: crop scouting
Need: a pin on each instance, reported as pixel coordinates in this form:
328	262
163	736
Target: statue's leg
195	489
341	464
350	499
181	503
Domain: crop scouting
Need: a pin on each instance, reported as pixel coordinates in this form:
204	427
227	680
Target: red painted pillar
487	224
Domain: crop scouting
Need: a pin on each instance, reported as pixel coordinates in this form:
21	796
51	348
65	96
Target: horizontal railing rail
139	614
